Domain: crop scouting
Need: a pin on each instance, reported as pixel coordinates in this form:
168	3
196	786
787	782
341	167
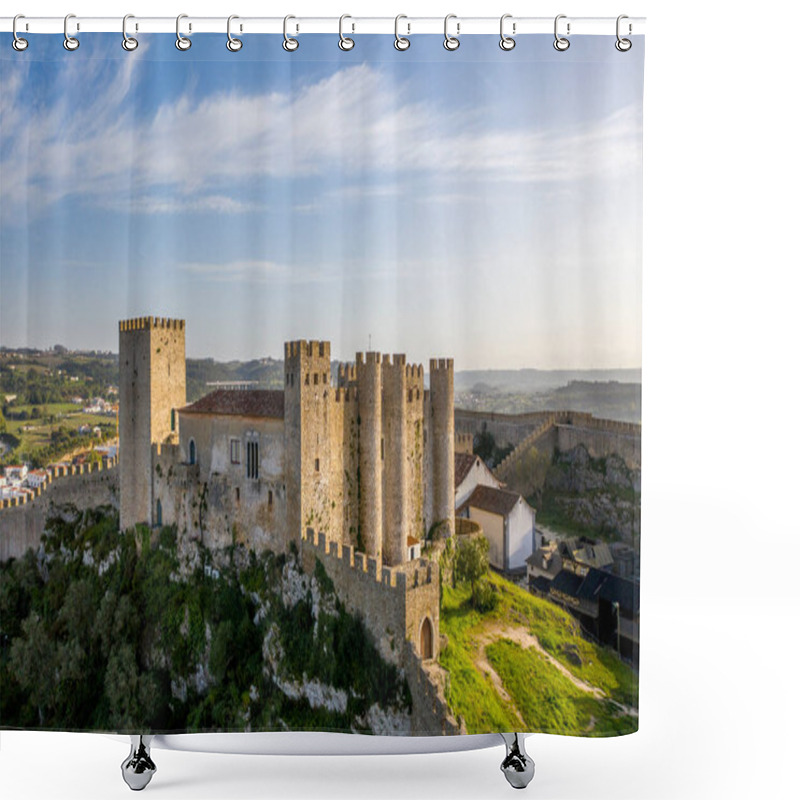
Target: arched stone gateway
426	639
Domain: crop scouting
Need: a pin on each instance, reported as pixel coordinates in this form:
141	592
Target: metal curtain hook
400	42
128	42
450	42
19	44
289	44
506	42
181	42
561	43
345	43
233	44
70	42
623	45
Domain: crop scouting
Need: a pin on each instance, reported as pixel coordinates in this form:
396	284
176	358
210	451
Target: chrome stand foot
138	768
517	766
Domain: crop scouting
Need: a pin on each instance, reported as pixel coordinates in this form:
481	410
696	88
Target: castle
355	472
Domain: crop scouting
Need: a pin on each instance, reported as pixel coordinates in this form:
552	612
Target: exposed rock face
601	495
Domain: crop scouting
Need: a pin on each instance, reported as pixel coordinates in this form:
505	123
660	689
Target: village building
508	522
471	471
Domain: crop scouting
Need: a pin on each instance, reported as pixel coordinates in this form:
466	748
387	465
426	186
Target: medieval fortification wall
84	486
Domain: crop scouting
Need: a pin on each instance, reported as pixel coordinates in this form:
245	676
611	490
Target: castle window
316	464
252	460
235	451
324	377
172	420
192	452
316	378
308	381
269	498
382	450
159	514
237	495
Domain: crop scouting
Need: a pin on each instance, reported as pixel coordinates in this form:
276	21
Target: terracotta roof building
239	403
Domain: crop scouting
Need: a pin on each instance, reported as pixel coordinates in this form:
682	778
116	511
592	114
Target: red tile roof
240	403
464	462
496	501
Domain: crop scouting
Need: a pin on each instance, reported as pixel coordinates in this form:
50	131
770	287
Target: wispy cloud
187	155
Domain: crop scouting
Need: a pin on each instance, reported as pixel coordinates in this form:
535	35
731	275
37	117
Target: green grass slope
528	691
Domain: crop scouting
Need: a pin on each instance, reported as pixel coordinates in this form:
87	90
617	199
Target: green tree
471	562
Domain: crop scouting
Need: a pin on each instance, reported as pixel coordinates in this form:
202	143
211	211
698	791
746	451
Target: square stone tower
152	385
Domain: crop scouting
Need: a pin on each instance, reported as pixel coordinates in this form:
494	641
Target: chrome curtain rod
461	26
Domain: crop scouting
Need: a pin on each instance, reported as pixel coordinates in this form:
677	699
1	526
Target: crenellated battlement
441	364
55	472
372	357
346	374
308	348
348	395
151	323
409	576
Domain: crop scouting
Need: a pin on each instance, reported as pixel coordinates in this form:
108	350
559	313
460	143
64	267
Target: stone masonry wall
392	601
22	526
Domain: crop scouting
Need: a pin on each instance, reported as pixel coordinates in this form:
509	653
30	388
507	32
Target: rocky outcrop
600	495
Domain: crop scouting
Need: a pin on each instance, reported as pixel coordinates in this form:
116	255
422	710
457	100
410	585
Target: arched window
426	639
159	514
192	452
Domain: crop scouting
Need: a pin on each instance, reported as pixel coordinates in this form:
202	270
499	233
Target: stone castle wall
85	486
392	601
555	429
218	510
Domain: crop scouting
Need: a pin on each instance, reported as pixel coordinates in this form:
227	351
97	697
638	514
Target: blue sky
476	204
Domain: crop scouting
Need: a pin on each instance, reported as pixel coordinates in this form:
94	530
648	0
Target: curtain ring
623	45
289	44
233	44
561	43
400	42
506	42
181	42
128	42
345	43
19	44
70	42
450	42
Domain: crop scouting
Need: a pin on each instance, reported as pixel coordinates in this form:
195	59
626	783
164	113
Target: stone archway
426	639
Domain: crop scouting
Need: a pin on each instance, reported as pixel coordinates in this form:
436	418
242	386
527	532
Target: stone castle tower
152	385
370	460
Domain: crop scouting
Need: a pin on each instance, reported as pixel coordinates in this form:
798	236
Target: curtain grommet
345	42
18	43
182	42
507	43
70	42
561	43
451	43
233	44
623	45
401	43
129	43
290	44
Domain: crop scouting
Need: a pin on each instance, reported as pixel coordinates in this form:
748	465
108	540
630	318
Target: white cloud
358	121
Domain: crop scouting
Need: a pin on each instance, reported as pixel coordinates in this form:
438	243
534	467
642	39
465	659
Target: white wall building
509	524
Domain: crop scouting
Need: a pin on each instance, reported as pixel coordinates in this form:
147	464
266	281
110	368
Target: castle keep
354	469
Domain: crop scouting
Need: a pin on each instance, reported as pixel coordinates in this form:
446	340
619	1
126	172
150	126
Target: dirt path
525	639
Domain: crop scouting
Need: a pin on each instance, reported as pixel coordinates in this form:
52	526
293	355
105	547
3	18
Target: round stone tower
442	398
395	478
370	502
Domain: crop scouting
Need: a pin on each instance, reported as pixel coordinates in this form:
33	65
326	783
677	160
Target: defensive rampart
22	522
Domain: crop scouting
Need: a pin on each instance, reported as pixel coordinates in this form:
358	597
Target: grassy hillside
525	666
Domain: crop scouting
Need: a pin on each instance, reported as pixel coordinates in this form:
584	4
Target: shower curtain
321	384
